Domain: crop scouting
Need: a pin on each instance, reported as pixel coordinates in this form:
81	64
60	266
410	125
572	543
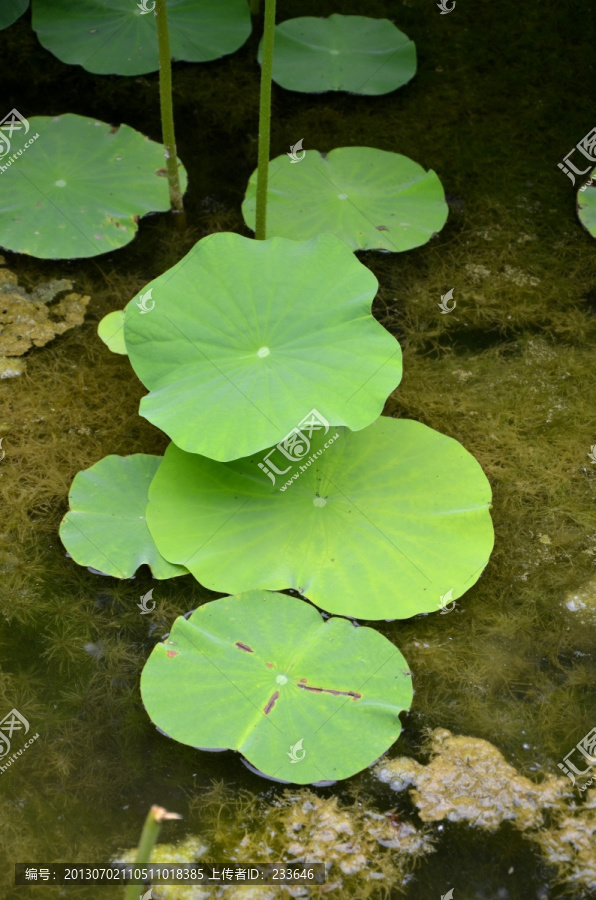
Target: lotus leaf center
60	183
342	196
281	679
320	501
263	351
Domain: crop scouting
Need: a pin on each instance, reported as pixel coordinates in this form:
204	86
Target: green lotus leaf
342	53
11	10
586	205
302	699
374	524
118	37
106	527
111	331
371	199
79	188
241	339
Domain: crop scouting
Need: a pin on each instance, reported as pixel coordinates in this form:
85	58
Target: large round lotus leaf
111	331
10	10
245	337
105	526
303	699
374	524
79	187
342	53
586	206
371	199
118	36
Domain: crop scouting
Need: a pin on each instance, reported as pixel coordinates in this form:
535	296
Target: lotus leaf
586	205
371	199
301	698
111	331
342	53
79	188
375	524
11	10
242	338
106	527
118	37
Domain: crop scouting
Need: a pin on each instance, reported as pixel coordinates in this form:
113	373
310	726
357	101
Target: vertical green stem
265	120
156	815
167	112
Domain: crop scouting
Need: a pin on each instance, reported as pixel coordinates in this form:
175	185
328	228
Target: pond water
500	97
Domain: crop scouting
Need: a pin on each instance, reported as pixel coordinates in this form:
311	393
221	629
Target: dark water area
502	93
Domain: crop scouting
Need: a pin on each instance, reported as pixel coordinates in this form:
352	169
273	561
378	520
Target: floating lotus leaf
302	699
375	524
79	188
111	331
241	339
586	206
105	527
371	199
11	10
119	37
342	53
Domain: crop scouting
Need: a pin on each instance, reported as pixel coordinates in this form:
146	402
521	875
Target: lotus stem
167	113
265	120
149	835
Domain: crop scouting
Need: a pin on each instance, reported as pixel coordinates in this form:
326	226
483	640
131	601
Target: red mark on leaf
270	665
353	694
271	703
172	653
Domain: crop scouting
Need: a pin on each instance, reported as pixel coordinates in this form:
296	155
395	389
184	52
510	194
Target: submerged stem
265	119
149	835
167	112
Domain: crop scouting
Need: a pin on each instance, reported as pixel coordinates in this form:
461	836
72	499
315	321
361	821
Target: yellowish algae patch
33	319
469	780
365	853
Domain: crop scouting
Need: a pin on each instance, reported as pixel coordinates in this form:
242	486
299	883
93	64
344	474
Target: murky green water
502	94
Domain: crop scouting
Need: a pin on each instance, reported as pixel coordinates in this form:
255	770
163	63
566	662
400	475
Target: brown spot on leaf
353	694
172	653
244	647
163	173
381	228
270	665
271	703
